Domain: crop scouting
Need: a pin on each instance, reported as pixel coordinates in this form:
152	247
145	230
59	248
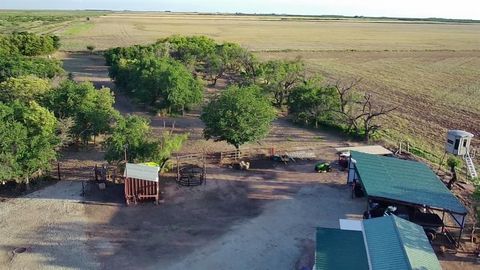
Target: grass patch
78	28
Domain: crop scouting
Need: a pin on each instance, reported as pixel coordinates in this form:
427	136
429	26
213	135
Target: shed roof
460	133
387	243
340	249
397	244
369	149
405	181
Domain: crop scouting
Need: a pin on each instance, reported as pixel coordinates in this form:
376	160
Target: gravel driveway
50	224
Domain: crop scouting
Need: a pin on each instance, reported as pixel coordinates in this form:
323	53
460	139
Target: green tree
25	88
16	66
129	133
238	116
280	77
30	44
91	109
132	136
313	103
27	140
214	68
162	83
190	50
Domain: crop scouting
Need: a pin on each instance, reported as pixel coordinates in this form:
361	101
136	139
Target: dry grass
273	33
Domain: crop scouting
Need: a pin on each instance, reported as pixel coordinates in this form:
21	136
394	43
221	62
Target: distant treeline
340	17
45	15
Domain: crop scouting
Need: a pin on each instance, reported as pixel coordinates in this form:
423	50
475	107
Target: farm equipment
432	224
322	167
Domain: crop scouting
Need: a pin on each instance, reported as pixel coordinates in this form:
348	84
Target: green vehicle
322	167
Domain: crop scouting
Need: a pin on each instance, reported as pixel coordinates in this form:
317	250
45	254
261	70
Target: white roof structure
460	133
368	149
351	224
141	171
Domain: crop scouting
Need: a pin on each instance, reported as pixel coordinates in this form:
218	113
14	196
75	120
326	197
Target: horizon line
247	13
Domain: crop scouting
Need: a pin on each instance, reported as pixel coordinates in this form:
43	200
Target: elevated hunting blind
458	142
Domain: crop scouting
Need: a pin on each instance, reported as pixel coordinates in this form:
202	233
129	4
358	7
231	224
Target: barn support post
443	221
461	231
204	170
58	171
157	199
178	169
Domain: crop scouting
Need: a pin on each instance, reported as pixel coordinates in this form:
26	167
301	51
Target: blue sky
465	9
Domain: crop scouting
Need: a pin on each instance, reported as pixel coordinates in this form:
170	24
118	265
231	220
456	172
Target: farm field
429	70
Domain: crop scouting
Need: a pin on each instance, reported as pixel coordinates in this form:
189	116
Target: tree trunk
27	183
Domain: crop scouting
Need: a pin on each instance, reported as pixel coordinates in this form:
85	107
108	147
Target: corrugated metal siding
404	180
384	246
138	190
417	247
340	250
398	244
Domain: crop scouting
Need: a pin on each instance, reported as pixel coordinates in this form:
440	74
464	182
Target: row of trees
28	44
165	75
162	83
339	105
158	74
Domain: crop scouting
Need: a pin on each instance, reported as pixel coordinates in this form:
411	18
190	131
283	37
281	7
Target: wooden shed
141	183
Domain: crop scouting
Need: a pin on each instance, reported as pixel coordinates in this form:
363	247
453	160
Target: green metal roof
405	181
340	250
397	244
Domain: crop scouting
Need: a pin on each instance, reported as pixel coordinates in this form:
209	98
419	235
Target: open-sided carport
408	183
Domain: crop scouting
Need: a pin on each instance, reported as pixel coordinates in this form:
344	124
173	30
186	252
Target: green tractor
322	167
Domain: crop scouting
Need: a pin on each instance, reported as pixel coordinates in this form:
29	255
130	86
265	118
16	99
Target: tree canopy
160	82
238	116
27	140
91	109
132	135
28	44
313	103
16	66
25	88
280	77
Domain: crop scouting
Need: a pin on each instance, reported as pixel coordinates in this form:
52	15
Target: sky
458	9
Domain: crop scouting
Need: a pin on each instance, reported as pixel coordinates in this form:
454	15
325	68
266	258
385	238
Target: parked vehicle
430	222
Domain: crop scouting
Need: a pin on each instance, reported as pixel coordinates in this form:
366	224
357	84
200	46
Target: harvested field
433	90
275	33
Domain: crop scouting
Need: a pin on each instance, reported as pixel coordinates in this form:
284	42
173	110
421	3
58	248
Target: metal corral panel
340	250
143	172
405	181
397	244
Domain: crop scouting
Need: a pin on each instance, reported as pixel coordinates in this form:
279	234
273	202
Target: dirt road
50	224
